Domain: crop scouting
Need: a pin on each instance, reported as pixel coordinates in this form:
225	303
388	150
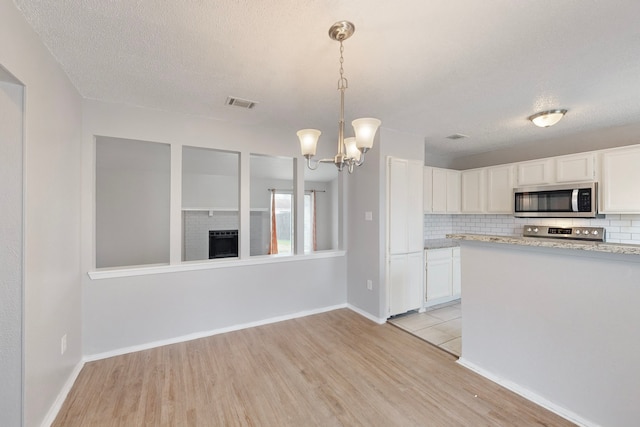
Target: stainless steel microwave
556	201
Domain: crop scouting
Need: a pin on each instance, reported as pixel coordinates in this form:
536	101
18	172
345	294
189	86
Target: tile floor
440	325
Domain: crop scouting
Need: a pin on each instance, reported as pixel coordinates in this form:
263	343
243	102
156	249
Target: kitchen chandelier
544	119
350	150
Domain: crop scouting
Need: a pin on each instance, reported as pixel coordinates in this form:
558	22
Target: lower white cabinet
442	280
405	282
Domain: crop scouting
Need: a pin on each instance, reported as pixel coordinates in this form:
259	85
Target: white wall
559	323
11	233
120	313
132	202
52	298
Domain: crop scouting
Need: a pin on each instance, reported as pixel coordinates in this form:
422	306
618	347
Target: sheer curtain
273	244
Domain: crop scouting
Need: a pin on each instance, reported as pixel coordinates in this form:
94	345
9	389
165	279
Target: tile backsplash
619	228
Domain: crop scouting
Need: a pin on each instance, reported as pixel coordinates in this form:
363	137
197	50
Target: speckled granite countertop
612	248
440	243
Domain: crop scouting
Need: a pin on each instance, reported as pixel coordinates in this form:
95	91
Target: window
321	208
272	206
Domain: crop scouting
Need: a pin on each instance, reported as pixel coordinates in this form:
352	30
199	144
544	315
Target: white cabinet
535	172
427	185
576	167
456	277
405	282
500	183
442	188
620	182
442	279
405	242
473	191
405	206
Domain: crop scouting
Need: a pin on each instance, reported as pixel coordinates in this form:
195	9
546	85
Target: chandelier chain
343	83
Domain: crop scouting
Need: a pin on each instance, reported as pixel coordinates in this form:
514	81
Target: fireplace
223	243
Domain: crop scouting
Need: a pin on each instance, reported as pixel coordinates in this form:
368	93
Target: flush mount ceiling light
544	119
350	150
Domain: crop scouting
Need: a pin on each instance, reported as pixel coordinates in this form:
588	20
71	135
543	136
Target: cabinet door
439	190
427	189
398	205
453	191
439	280
537	172
456	278
620	189
500	185
578	167
405	282
397	289
473	191
415	215
415	280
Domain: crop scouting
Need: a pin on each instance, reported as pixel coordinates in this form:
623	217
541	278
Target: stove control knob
529	229
535	230
578	232
594	232
585	232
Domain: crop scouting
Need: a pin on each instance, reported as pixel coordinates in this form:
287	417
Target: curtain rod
291	191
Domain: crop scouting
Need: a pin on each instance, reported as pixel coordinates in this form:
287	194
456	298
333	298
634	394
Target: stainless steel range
593	234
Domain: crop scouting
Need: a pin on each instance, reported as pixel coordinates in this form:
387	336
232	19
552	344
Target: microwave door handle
574	200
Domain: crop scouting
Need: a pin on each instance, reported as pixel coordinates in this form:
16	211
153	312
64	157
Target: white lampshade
544	119
308	141
365	130
352	149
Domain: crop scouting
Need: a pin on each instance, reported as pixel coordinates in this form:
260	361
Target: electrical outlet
368	216
63	344
369	284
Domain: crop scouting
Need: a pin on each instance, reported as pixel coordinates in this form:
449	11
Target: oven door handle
574	200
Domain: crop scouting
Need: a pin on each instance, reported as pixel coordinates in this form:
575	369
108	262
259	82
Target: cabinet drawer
438	254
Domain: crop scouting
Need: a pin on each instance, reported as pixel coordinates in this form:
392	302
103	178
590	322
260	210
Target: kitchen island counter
612	248
555	321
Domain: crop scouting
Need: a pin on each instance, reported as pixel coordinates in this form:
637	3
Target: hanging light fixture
350	150
544	119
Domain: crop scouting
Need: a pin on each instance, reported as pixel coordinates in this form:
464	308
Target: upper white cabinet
500	183
474	191
576	167
405	206
535	172
441	190
619	186
427	183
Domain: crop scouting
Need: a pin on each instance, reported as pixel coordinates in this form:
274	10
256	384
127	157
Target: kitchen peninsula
555	321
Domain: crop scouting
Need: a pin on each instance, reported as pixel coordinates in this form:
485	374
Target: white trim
62	396
204	334
528	394
208	264
367	315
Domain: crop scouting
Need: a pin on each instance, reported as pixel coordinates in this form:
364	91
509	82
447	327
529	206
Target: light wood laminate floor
330	369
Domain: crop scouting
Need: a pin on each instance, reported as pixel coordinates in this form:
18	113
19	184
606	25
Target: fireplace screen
223	243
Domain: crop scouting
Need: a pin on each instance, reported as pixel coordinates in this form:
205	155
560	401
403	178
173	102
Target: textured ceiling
427	68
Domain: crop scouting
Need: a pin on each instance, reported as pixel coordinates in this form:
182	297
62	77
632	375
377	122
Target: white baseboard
528	394
57	405
367	315
204	334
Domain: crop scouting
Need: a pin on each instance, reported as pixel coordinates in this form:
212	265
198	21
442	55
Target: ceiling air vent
239	102
457	136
